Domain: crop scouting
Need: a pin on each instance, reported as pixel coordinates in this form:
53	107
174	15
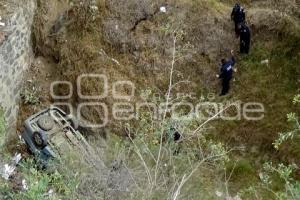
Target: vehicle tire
39	139
74	122
46	123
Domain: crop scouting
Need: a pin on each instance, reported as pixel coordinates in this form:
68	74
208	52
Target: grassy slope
273	85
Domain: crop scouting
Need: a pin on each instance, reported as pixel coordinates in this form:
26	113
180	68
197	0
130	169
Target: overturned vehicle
51	134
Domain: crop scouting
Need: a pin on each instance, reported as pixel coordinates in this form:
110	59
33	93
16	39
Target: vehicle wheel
74	122
40	139
46	123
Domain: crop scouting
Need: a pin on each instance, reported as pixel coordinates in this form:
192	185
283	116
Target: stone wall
15	57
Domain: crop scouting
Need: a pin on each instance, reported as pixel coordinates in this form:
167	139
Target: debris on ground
24	185
265	62
49	193
219	194
8	169
237	197
163	9
1	23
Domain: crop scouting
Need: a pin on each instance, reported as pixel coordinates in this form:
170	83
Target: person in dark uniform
238	16
245	38
226	73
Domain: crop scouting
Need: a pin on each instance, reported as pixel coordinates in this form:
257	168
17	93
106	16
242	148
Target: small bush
30	94
241	168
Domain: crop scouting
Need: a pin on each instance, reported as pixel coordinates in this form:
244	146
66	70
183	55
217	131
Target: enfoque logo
124	110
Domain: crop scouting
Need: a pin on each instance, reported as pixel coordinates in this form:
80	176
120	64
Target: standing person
238	16
226	73
245	38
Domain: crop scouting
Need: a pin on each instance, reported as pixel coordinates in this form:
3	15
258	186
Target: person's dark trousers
225	86
237	31
244	46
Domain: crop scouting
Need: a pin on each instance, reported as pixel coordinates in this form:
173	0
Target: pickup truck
51	134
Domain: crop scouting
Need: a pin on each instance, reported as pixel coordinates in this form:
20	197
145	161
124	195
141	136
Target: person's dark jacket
245	33
227	69
238	14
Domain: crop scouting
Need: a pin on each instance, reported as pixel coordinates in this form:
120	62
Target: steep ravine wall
15	57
